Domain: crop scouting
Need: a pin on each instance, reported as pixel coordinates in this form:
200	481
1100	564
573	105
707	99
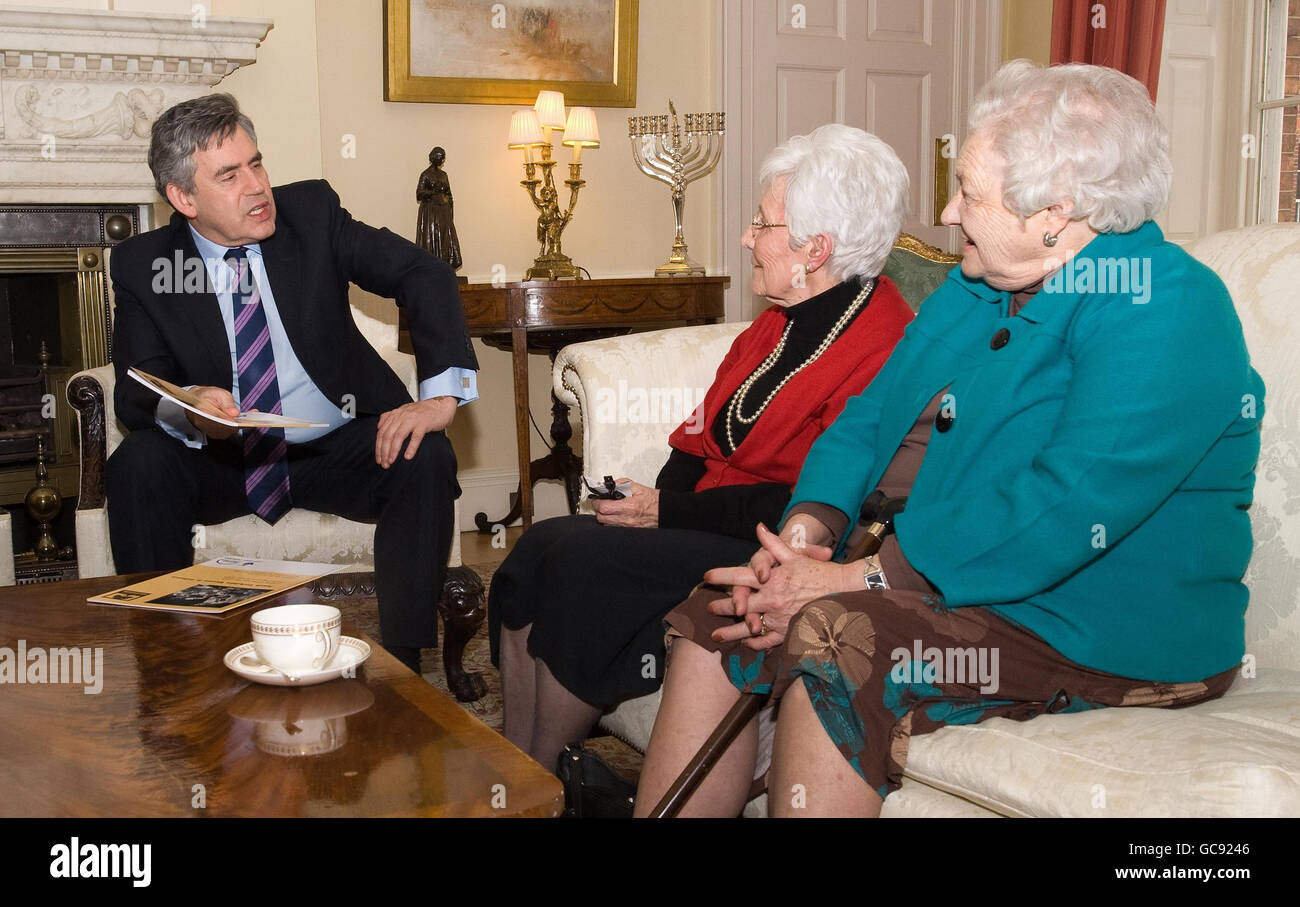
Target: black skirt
596	597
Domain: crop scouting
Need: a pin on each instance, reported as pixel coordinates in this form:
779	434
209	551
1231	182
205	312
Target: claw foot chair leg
463	609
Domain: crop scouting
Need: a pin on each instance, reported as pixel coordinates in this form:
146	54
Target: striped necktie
266	467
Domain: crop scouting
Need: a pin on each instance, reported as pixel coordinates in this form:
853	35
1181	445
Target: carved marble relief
81	89
129	113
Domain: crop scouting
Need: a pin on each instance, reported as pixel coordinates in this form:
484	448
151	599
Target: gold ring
762	625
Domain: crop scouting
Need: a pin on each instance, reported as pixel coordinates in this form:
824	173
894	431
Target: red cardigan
775	447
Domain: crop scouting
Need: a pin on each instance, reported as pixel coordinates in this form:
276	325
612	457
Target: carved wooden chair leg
463	608
87	396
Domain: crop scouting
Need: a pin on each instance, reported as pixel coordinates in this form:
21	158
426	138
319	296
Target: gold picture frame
400	85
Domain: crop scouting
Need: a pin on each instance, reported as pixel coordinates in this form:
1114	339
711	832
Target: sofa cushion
1261	268
1235	756
1238	755
915	800
300	535
634	719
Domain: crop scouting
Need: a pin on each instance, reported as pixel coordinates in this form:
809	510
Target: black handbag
592	790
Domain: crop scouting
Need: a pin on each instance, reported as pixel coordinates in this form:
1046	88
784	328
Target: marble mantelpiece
80	89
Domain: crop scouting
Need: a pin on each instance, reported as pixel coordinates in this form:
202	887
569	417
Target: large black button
1000	339
943	422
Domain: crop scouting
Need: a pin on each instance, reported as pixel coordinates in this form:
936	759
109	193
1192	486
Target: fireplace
79	92
55	319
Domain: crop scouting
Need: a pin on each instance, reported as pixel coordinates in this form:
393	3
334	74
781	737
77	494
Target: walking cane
878	512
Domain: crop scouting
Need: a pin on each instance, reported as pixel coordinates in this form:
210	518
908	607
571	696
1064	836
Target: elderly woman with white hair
576	610
1075	532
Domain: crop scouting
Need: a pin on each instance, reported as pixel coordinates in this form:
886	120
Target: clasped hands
410	421
778	581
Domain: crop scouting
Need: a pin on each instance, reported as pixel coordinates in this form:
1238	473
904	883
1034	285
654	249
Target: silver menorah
675	155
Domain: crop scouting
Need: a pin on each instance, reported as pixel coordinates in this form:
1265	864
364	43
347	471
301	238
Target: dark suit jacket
175	332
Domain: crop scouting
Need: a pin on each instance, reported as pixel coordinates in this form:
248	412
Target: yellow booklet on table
216	586
182	397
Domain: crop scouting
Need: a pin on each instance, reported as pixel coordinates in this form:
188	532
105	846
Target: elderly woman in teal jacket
1074	421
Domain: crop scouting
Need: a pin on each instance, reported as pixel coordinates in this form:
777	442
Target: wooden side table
549	314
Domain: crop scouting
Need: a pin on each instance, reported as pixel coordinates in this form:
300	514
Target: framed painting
484	52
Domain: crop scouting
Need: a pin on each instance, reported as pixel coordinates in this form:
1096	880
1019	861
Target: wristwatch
873	573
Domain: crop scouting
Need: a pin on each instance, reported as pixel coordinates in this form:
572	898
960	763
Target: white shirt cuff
461	383
171	418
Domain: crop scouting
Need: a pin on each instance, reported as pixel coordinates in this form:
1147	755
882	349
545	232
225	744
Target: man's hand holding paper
219	402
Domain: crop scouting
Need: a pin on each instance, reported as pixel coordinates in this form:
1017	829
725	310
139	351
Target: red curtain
1122	34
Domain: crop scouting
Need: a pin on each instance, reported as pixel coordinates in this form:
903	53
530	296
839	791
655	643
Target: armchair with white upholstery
1234	756
300	535
6	549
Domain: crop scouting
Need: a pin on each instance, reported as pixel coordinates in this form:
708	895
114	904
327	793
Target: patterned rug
365	613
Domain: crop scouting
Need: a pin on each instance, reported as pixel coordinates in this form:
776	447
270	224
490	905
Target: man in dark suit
243	298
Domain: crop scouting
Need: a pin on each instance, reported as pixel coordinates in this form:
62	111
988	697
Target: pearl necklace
738	398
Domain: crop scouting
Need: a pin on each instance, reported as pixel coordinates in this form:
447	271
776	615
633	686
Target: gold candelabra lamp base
551	263
553	267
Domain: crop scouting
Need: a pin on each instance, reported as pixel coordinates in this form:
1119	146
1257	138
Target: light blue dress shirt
299	395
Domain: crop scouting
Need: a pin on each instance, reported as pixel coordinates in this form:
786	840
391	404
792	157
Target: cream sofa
300	535
1236	756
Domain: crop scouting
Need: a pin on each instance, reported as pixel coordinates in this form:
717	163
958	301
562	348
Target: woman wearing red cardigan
576	609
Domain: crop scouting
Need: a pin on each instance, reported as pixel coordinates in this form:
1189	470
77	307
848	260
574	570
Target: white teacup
295	639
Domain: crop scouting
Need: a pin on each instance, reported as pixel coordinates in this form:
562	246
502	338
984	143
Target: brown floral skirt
883	666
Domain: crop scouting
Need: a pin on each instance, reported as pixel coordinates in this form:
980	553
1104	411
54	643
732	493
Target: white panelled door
1203	81
902	69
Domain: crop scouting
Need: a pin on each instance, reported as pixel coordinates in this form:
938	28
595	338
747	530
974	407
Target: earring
1049	240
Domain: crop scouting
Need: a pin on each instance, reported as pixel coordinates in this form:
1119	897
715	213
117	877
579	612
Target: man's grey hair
848	184
1085	133
188	127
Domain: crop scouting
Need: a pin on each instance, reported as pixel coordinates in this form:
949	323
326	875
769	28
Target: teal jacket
1094	483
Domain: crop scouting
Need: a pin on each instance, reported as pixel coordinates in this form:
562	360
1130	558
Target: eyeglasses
759	224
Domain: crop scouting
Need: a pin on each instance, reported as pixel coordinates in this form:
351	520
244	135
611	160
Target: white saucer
351	654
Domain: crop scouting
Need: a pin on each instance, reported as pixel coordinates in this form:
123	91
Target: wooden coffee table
173	732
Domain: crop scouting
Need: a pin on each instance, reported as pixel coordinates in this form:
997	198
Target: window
1275	108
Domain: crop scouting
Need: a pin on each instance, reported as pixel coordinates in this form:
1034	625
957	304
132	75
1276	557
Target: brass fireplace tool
677	156
43	503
